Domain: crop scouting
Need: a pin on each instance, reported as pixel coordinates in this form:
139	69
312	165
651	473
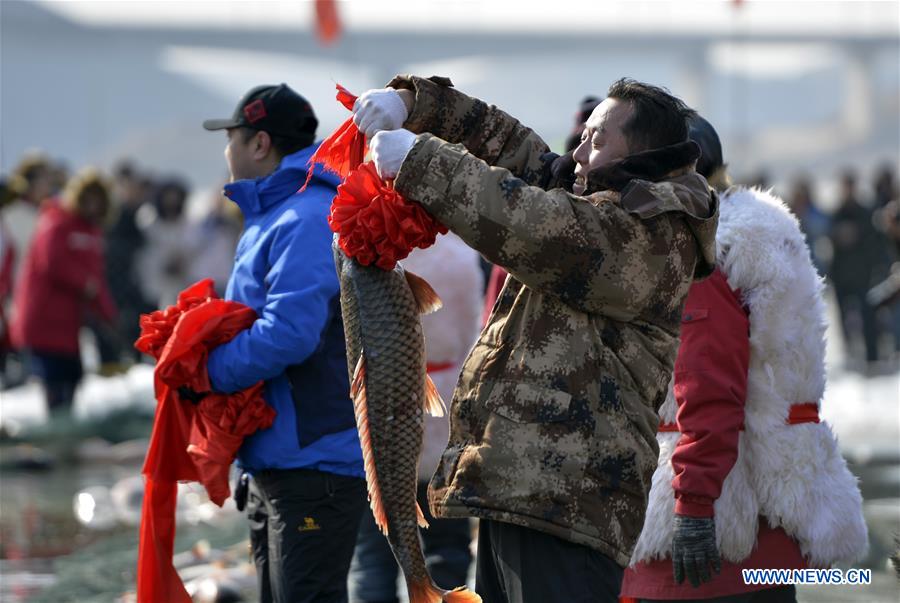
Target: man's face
239	154
602	141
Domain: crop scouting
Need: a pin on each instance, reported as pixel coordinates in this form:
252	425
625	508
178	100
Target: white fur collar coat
793	475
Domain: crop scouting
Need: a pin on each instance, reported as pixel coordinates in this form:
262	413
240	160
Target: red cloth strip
806	412
437	367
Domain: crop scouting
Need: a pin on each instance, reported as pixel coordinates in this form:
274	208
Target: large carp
391	392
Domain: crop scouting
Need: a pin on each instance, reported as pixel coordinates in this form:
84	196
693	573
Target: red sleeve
710	388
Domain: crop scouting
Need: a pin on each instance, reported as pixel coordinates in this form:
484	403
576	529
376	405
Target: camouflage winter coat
553	422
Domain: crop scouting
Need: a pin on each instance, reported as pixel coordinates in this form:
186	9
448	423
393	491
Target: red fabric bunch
157	327
344	149
375	224
190	442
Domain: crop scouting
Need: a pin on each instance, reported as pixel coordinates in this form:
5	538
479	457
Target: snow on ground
95	397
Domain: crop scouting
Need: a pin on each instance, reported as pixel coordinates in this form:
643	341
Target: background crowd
153	239
157	236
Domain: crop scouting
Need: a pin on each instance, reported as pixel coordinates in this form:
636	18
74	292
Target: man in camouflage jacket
553	421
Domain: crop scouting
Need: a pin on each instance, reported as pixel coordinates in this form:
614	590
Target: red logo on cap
255	111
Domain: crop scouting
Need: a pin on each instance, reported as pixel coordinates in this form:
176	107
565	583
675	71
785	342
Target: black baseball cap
277	110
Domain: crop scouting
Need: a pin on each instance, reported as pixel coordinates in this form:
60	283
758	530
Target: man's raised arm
432	105
598	258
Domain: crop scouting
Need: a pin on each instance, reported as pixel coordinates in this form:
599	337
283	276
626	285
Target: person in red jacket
62	280
748	476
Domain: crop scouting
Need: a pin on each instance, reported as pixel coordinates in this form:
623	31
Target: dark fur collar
653	165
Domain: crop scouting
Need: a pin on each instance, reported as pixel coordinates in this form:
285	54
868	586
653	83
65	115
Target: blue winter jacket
284	269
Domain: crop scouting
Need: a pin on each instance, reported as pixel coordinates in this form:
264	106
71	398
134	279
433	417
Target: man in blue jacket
306	480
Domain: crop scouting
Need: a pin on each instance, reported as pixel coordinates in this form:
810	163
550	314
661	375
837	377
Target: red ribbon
189	442
808	412
344	149
375	224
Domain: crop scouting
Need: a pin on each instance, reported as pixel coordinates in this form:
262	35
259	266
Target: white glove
389	148
379	109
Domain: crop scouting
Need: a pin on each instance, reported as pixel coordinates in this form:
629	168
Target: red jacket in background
710	388
49	299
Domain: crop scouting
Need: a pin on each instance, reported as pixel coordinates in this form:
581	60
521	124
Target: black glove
694	549
559	171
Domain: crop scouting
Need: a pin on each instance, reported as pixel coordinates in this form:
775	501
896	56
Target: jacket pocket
531	457
527	403
694	315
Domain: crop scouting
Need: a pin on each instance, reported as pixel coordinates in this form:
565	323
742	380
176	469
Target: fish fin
420	517
434	404
426	299
358	380
461	595
361	407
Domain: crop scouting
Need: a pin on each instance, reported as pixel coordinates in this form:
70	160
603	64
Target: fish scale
387	365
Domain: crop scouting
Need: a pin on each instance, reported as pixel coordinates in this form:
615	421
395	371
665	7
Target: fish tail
425	591
461	595
360	405
427	300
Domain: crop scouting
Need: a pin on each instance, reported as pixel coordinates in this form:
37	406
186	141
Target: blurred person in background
748	476
124	242
61	283
454	269
302	482
59	176
214	237
813	222
166	255
860	252
886	295
37	175
886	188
